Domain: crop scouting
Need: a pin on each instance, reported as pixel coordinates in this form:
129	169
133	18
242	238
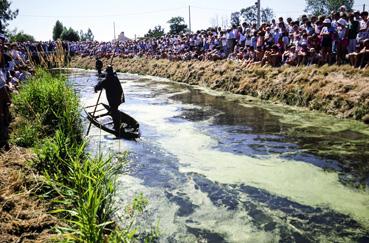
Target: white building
122	37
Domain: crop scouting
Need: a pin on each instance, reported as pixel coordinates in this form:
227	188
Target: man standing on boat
99	65
114	94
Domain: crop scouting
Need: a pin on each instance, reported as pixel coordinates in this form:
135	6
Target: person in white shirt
342	41
231	40
242	38
363	32
248	38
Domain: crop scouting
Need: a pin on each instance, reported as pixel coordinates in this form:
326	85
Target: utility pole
364	7
114	30
258	12
189	17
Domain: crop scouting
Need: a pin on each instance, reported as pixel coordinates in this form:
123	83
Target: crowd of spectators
342	38
15	67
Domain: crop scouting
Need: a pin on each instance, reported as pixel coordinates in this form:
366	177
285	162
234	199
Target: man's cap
109	69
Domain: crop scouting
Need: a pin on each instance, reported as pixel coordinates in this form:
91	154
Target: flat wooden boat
129	127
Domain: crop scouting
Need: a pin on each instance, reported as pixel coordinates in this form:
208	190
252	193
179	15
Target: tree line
176	26
69	34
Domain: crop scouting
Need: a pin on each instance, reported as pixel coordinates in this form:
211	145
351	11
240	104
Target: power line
101	16
214	9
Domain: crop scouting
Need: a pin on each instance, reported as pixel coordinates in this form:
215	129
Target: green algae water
218	167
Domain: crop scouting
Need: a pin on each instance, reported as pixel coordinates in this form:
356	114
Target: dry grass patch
338	90
23	217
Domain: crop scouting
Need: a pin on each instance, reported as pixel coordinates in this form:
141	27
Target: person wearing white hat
342	41
326	35
343	9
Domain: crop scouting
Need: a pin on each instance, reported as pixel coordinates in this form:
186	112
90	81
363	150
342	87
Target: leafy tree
20	36
267	15
157	32
89	36
320	7
177	25
235	18
69	35
250	14
6	14
57	30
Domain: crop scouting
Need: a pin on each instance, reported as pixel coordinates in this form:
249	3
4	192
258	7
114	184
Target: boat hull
102	119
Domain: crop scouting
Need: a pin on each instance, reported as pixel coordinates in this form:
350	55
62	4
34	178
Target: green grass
50	103
26	134
80	188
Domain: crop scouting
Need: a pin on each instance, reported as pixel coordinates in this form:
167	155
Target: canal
219	167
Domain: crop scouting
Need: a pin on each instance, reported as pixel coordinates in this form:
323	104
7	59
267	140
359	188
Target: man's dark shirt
99	64
353	29
114	91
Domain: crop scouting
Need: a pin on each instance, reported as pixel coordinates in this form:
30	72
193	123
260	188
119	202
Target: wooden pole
258	13
93	114
189	18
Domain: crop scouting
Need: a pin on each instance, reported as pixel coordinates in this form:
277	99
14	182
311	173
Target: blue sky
134	17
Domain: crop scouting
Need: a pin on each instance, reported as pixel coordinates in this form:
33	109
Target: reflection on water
222	168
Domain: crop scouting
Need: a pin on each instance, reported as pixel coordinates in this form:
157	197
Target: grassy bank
75	187
341	91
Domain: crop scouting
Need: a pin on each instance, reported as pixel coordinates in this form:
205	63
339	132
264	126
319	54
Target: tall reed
81	188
